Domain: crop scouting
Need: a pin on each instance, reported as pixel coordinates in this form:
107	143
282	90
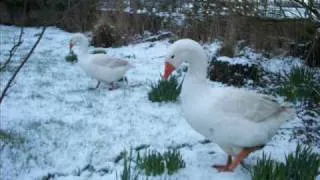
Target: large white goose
98	66
239	121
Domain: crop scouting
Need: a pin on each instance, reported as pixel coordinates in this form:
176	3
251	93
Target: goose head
79	40
185	50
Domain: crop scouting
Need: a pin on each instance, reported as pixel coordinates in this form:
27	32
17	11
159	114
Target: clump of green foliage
10	138
71	57
301	84
302	164
128	172
266	168
154	163
4	135
173	161
165	90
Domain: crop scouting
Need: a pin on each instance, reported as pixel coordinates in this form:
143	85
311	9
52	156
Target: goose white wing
249	105
103	60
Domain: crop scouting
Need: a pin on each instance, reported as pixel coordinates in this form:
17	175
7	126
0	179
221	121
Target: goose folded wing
250	105
109	62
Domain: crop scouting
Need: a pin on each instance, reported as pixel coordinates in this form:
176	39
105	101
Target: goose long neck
82	51
195	80
198	66
83	48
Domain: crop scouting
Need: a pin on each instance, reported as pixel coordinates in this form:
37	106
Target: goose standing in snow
239	121
99	66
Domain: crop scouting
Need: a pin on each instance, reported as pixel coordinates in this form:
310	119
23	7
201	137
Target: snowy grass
71	132
302	164
153	163
301	84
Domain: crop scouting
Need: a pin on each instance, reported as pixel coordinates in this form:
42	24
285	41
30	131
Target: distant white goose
98	66
239	121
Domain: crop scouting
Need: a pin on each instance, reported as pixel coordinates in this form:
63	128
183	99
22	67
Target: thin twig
301	16
317	92
311	8
13	50
312	48
281	9
8	85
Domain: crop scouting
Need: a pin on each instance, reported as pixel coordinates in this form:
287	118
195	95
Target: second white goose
99	66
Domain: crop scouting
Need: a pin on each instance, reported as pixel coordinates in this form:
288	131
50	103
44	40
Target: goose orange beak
168	69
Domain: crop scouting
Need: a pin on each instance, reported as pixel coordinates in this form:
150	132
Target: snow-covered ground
64	126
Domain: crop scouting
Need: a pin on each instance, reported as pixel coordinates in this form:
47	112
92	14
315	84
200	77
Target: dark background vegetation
120	22
71	15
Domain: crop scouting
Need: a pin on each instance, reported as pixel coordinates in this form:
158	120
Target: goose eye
172	56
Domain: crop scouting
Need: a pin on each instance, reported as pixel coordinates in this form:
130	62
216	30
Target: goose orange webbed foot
232	165
224	168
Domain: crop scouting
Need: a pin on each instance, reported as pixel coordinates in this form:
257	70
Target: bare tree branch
311	8
281	9
13	49
8	85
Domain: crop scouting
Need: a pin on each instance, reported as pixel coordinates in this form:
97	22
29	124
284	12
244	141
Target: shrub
116	27
302	164
165	90
301	84
233	74
105	35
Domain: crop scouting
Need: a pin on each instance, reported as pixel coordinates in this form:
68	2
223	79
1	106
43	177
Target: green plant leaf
165	90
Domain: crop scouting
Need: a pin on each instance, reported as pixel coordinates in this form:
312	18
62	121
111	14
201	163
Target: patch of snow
281	65
212	49
236	60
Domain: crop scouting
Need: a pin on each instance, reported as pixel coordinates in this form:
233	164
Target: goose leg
125	81
240	157
113	86
97	86
221	168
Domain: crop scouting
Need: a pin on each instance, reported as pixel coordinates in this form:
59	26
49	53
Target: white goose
239	121
98	66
